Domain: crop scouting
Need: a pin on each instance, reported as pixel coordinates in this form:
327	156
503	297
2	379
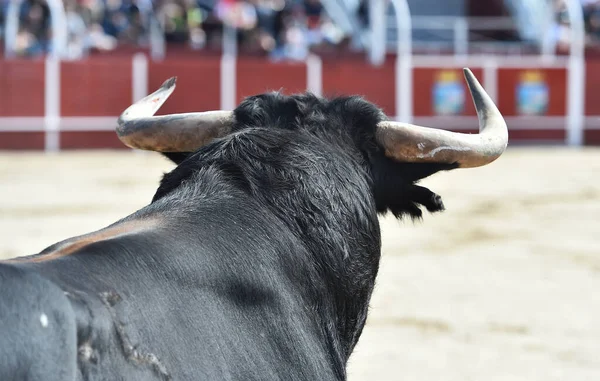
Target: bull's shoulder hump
74	245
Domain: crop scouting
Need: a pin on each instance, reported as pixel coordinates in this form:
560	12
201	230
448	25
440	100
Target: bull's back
219	299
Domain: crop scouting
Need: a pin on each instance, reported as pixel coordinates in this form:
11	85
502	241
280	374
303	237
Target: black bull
255	259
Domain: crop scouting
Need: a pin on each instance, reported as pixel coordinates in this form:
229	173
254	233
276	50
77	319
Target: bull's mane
345	124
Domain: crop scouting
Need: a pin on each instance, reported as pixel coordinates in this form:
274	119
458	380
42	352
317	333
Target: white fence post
52	104
490	78
576	77
314	74
377	32
58	25
461	36
11	27
404	83
228	68
139	77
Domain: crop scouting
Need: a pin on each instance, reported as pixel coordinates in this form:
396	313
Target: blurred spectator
562	27
594	26
32	35
281	29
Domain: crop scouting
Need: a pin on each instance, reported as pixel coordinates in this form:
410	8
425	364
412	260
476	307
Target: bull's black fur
266	255
344	124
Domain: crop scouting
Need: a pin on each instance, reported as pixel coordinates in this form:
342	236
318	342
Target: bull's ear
176	157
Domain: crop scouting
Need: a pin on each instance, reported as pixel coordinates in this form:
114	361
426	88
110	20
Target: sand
503	285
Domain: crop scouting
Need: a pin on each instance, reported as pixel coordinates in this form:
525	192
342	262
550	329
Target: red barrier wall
254	76
424	80
21	88
510	78
10	140
592	137
89	140
357	77
102	87
98	87
198	84
592	88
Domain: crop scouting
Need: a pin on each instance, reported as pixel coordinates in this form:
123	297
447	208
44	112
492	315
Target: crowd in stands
591	18
284	29
281	29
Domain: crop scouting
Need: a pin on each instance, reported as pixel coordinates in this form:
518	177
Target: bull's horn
139	128
416	144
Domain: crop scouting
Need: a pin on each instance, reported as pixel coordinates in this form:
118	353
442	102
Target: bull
256	257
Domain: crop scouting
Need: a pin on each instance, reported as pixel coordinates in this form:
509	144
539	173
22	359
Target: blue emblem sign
448	93
532	94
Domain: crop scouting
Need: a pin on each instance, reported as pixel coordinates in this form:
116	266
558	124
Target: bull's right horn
139	128
417	144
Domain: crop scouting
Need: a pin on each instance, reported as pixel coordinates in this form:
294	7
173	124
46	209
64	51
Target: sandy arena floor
504	285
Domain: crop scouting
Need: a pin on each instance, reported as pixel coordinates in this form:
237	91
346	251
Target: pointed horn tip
169	83
468	73
470	77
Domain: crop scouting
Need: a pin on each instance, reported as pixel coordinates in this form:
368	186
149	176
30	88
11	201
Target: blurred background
501	286
68	68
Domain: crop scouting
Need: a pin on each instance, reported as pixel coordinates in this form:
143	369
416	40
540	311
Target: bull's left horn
417	144
139	128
